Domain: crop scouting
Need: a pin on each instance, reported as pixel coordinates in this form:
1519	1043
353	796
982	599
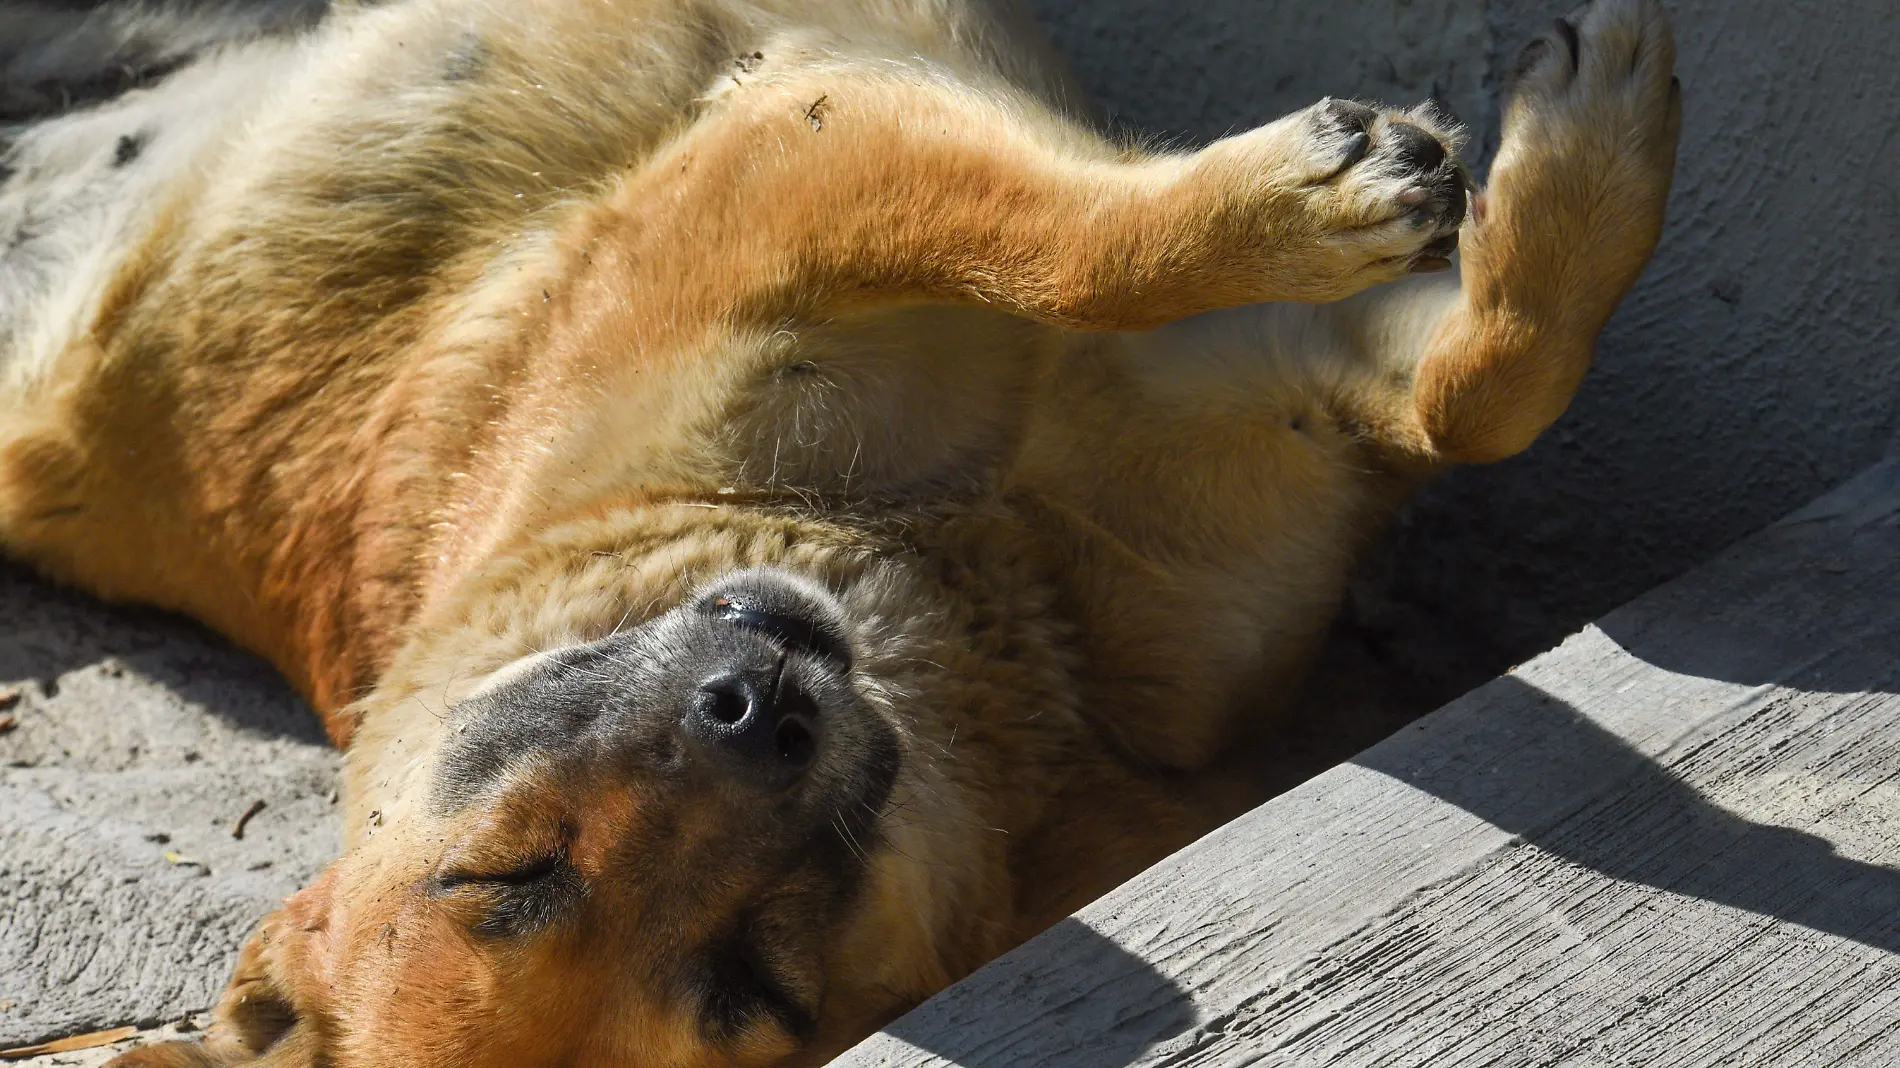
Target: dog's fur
457	354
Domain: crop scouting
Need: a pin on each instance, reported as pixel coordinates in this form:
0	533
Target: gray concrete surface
1757	364
137	736
1672	841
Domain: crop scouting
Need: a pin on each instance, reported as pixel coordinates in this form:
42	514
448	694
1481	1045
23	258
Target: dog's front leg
823	190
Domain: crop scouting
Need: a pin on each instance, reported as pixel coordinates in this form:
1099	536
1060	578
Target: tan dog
770	500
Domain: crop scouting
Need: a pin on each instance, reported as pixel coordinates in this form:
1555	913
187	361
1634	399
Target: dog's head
702	840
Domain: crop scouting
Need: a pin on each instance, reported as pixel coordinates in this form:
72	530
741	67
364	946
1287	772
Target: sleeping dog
775	506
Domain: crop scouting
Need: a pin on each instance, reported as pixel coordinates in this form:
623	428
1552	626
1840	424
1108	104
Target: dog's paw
1602	76
1342	196
1389	182
1588	153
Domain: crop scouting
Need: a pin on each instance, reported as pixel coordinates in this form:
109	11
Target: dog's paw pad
1400	188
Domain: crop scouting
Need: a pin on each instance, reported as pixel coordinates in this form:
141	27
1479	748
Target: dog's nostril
724	702
795	743
757	726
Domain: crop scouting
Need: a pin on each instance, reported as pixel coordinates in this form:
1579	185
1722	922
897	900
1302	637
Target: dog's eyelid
514	902
455	871
530	872
523	864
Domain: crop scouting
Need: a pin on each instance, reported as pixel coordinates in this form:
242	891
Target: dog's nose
757	726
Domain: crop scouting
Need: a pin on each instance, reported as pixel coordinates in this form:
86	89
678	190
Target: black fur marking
128	149
19	103
794	632
466	60
766	604
1528	59
551	709
67	54
616	707
1572	42
738	987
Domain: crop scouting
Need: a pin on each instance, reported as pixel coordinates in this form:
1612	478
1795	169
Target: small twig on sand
237	829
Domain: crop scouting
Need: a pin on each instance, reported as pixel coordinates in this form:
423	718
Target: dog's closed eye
516	901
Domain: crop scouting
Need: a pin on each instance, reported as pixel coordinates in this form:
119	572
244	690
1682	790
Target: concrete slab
137	742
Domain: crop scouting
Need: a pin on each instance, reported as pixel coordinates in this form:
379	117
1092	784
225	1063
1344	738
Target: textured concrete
1674	840
137	736
1758	363
1197	71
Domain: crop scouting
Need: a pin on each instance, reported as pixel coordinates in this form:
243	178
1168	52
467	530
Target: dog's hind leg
1574	210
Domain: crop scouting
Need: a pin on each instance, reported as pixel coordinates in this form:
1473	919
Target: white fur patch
85	186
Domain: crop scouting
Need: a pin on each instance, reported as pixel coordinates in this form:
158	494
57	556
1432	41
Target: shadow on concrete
1133	1009
47	632
1865	658
1804	606
1653	828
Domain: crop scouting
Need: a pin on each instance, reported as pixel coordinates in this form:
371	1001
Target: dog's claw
1567	32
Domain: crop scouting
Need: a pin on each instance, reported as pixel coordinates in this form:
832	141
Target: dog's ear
272	1013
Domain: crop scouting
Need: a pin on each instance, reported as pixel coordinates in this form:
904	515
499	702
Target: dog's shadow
1653	828
1124	1008
47	633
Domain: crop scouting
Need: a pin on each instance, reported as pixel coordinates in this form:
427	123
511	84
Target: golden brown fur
494	330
